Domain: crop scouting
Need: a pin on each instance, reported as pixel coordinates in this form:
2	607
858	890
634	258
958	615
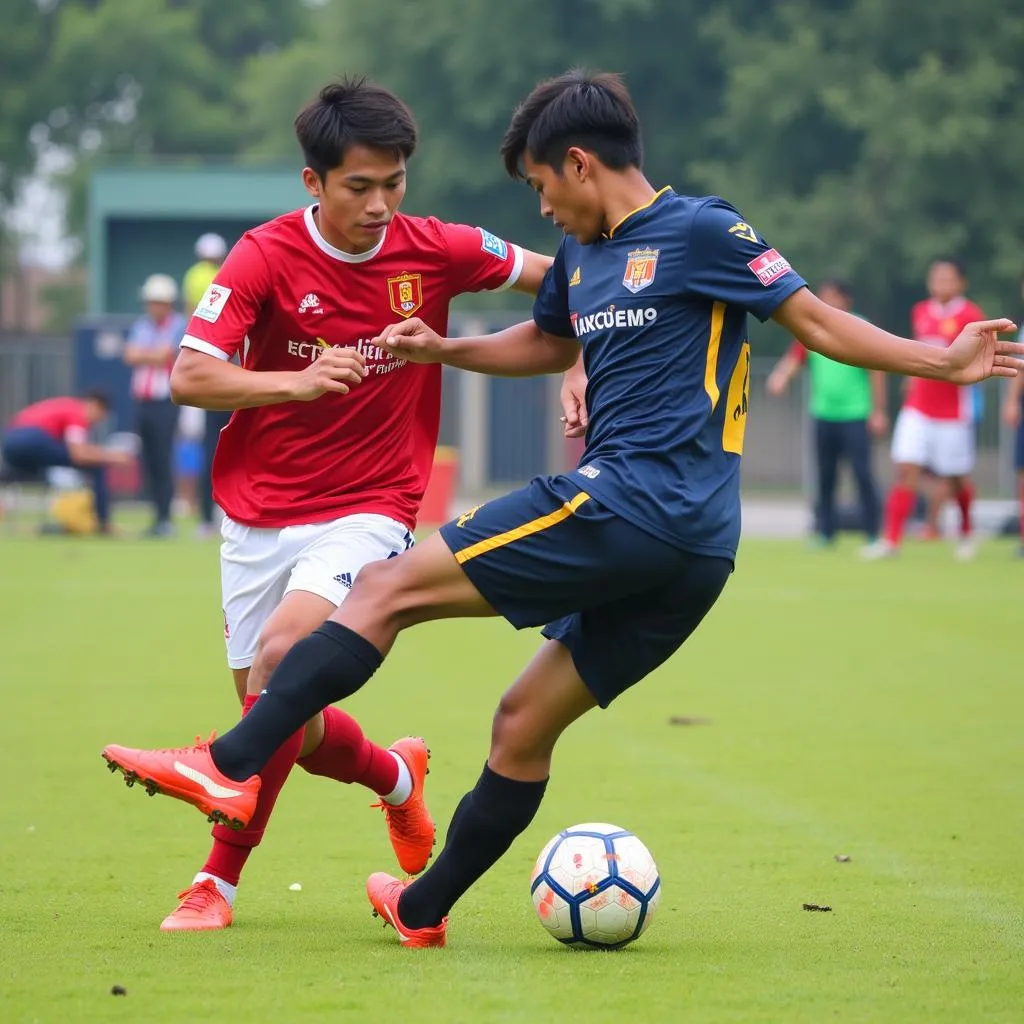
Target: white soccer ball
595	885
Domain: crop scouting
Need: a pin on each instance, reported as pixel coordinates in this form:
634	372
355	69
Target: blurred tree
463	83
148	79
870	137
23	51
862	136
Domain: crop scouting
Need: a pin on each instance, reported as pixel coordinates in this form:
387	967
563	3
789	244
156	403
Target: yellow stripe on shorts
481	547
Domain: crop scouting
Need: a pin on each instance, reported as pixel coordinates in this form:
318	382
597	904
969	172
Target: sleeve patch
769	267
493	244
212	304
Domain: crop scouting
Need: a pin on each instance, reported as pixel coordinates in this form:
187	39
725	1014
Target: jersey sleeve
230	305
480	261
728	261
551	306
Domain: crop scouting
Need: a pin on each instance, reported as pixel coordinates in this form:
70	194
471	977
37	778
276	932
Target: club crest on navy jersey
641	265
405	293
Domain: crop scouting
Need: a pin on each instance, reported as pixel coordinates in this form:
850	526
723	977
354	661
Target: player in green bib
847	409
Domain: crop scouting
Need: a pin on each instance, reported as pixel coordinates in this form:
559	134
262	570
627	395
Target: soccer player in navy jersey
619	559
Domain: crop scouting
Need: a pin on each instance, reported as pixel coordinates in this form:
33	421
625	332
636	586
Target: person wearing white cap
150	351
210	251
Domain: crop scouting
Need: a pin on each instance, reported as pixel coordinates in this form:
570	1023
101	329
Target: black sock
329	665
483	827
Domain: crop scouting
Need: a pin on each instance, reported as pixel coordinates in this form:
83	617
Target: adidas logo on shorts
345	579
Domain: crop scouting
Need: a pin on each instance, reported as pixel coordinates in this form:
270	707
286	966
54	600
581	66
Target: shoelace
195	746
401	822
200	896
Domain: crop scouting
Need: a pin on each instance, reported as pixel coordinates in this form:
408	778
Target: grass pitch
834	709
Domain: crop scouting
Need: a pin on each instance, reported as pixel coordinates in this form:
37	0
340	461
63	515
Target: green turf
868	710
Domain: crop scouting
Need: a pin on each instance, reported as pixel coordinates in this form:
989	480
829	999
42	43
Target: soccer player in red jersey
935	427
324	462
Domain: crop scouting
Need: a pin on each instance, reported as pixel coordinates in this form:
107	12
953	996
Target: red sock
231	849
348	756
898	507
964	497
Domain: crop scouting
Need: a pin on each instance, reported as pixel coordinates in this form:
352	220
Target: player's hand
878	424
120	457
412	340
776	383
573	396
1011	413
978	353
335	369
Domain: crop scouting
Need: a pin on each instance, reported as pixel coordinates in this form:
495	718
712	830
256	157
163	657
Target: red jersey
62	418
289	293
938	324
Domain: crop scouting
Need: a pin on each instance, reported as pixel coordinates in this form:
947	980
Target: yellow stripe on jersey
711	367
650	202
481	547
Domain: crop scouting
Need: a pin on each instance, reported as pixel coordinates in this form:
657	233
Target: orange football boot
189	774
202	908
384	891
410	828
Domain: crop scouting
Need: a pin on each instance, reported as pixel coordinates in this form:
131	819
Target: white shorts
946	447
258	567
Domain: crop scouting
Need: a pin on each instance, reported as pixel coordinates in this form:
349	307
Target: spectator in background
1013	417
847	408
210	252
935	427
150	351
55	432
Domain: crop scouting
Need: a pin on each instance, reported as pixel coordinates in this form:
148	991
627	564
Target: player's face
358	198
158	311
94	412
568	198
944	282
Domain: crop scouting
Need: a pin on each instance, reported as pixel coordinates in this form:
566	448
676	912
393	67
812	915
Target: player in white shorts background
935	427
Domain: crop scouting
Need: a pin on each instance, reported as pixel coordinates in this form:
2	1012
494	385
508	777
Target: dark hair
101	398
951	261
353	112
591	111
837	283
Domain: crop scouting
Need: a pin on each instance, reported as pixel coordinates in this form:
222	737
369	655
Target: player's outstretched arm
523	350
978	353
206	382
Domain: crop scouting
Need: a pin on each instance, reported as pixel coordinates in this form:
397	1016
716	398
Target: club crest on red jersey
641	265
405	293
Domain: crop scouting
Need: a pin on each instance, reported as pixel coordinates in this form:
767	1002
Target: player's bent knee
270	651
377	582
387	587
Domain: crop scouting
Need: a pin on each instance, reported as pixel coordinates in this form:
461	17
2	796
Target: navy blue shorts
620	599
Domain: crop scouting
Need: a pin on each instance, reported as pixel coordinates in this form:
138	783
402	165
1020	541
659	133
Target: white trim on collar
339	254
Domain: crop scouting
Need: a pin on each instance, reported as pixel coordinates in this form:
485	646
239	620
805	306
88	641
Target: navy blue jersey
660	307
